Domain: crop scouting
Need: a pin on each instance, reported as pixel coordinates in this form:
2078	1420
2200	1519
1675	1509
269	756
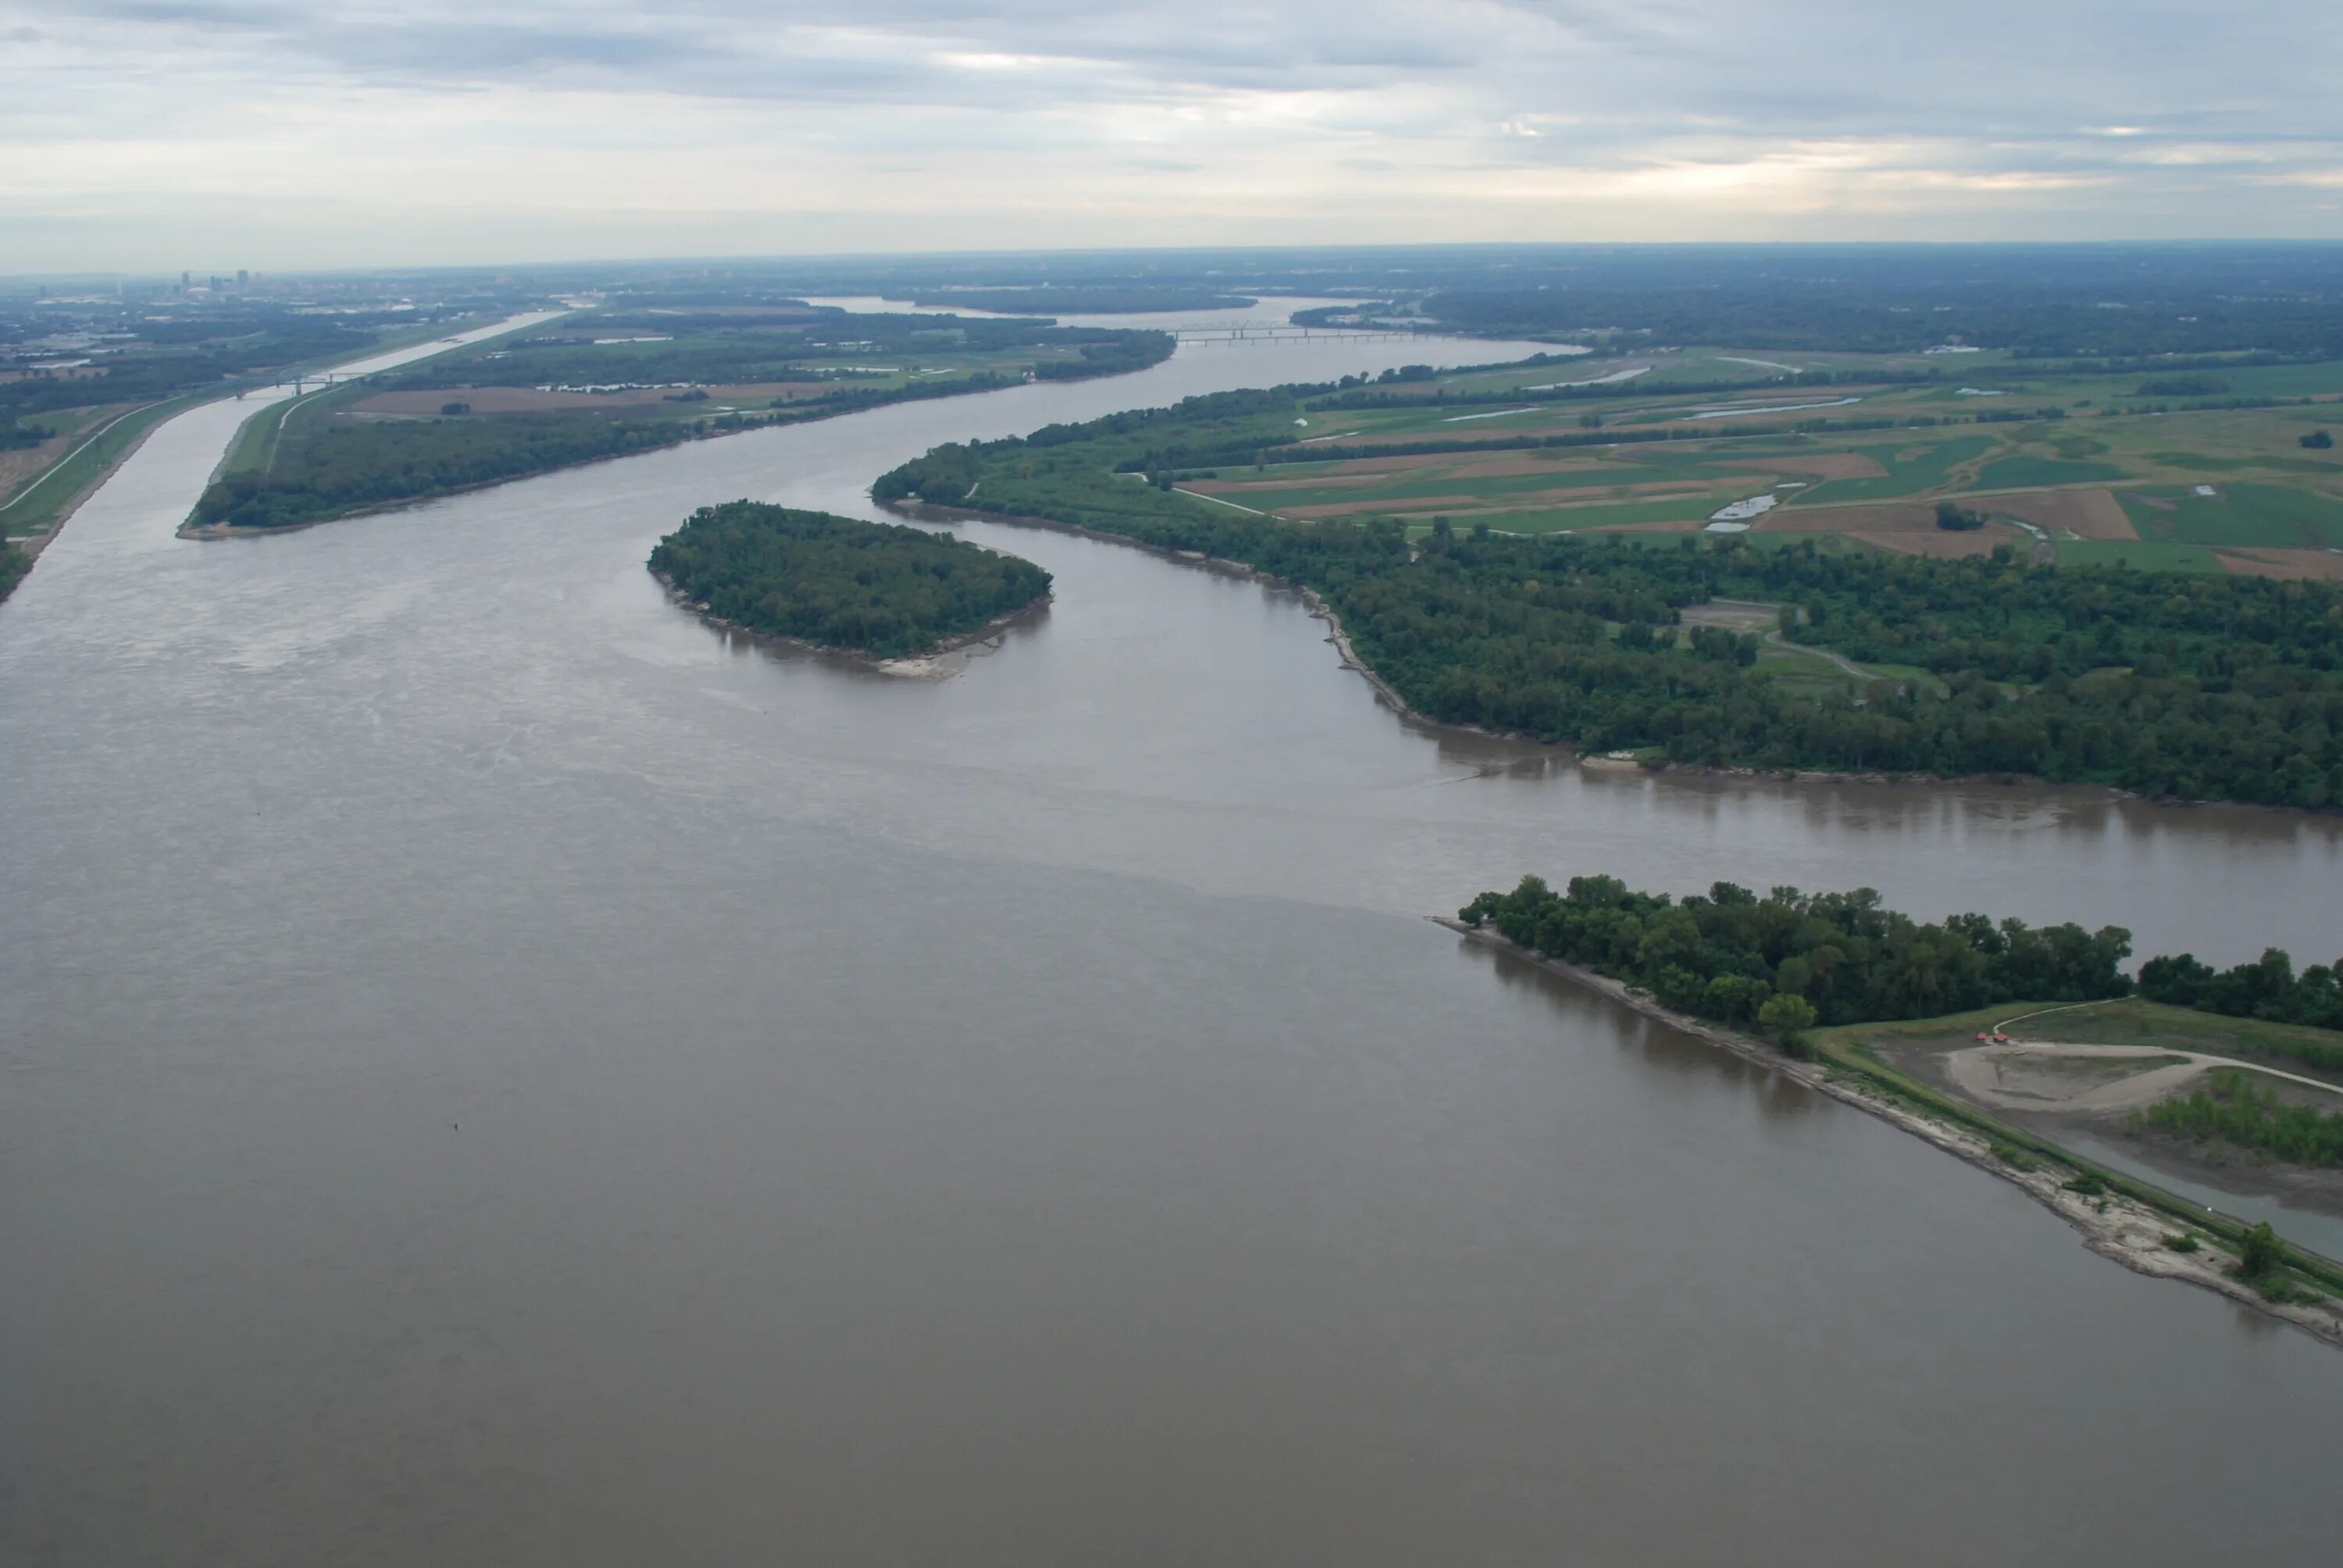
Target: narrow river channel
493	1071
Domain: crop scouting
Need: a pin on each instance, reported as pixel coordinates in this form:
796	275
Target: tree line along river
496	1070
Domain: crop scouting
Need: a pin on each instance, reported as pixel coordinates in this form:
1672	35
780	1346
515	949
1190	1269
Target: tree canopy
2182	685
881	588
1729	954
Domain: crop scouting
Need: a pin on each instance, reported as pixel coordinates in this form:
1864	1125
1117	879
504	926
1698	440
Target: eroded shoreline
2114	1226
937	661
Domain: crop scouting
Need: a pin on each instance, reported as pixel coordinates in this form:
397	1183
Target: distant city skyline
217	134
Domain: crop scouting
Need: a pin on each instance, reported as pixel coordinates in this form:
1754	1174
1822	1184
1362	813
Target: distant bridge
1257	332
303	380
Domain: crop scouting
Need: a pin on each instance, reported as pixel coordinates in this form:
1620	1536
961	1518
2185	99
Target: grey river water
493	1071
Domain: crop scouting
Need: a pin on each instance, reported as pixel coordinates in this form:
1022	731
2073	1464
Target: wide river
493	1072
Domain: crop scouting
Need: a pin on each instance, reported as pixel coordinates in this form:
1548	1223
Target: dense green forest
2266	988
881	588
13	564
2192	685
1727	955
2229	1108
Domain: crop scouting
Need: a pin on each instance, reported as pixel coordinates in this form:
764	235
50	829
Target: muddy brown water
491	1071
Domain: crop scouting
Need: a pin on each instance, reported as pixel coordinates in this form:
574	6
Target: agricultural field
2195	469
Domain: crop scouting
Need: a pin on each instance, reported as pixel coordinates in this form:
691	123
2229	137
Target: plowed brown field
2301	566
2089	514
1905	528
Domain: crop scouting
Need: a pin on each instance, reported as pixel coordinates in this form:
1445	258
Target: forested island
881	589
607	383
1912	1021
1836	653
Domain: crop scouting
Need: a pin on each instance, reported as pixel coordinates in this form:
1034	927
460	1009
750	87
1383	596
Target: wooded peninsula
1912	1021
1779	651
609	383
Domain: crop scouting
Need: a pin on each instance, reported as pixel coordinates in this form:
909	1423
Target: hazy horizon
144	137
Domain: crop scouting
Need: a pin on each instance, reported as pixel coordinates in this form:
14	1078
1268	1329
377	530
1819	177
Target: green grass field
2132	1021
2026	473
1920	463
2267	515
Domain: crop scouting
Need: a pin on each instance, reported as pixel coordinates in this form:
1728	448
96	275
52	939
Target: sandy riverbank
2113	1226
2053	1089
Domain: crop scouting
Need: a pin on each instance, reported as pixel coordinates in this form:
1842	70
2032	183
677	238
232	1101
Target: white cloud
149	133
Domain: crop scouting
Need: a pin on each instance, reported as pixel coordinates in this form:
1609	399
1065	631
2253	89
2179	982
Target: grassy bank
36	507
2132	1020
1849	1053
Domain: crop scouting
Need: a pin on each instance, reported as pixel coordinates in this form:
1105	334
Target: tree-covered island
881	589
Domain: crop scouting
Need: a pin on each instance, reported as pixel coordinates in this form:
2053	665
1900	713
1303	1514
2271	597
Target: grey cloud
1388	90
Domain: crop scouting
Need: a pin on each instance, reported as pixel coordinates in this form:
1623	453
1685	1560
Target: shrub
2262	1253
1786	1018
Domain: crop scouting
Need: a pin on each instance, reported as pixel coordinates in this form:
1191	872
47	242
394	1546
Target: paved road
1845	664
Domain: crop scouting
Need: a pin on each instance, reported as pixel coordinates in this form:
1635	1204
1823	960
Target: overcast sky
151	135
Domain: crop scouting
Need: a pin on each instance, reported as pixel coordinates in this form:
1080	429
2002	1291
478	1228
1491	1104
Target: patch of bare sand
2089	514
2294	566
2070	1078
